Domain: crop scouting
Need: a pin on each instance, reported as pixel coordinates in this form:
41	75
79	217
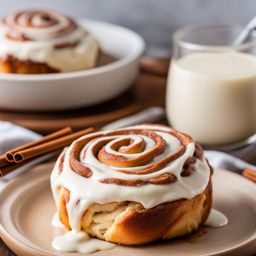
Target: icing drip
73	241
216	219
83	172
56	221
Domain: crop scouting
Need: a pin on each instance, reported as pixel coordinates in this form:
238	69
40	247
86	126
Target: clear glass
211	92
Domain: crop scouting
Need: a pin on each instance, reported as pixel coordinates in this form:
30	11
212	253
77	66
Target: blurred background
154	20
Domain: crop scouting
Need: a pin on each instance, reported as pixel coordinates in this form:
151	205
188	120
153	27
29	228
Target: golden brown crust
62	212
10	64
130	223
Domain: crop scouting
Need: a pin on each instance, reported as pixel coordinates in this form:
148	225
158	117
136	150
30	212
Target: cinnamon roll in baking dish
36	42
134	185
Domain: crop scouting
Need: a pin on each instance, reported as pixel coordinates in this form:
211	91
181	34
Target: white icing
56	221
79	57
86	191
216	219
74	241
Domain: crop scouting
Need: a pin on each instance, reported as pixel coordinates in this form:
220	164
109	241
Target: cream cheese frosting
48	37
85	191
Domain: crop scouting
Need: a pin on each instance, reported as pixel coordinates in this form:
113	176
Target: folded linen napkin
226	161
12	136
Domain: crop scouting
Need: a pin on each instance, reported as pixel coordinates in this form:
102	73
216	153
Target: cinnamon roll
134	185
40	41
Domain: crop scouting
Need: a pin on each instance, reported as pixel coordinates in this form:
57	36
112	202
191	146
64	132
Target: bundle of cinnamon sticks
249	174
53	142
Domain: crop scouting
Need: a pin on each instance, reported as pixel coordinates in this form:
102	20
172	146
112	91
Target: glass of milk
211	92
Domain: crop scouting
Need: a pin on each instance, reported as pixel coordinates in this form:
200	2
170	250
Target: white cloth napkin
12	136
225	161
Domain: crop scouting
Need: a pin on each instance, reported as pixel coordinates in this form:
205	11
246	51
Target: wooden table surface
4	250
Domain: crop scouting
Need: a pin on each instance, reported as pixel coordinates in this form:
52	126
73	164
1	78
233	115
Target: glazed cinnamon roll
40	41
134	185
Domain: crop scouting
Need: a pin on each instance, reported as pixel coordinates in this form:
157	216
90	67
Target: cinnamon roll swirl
40	41
134	185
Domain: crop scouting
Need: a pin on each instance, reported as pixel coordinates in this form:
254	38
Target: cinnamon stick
10	167
3	161
249	174
9	156
13	166
48	146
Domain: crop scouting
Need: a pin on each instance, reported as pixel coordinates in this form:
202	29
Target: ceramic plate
27	209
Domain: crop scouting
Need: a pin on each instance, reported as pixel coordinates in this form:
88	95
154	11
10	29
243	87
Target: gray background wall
155	20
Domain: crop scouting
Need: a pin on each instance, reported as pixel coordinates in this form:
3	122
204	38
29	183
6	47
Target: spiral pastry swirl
36	25
132	157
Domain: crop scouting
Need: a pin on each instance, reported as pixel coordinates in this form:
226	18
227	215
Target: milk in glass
212	96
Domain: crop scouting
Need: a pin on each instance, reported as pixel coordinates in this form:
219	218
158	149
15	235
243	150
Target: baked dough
134	185
129	223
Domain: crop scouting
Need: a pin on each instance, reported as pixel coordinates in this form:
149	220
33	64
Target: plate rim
6	236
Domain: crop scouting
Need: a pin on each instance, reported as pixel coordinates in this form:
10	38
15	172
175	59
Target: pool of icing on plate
79	241
216	219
